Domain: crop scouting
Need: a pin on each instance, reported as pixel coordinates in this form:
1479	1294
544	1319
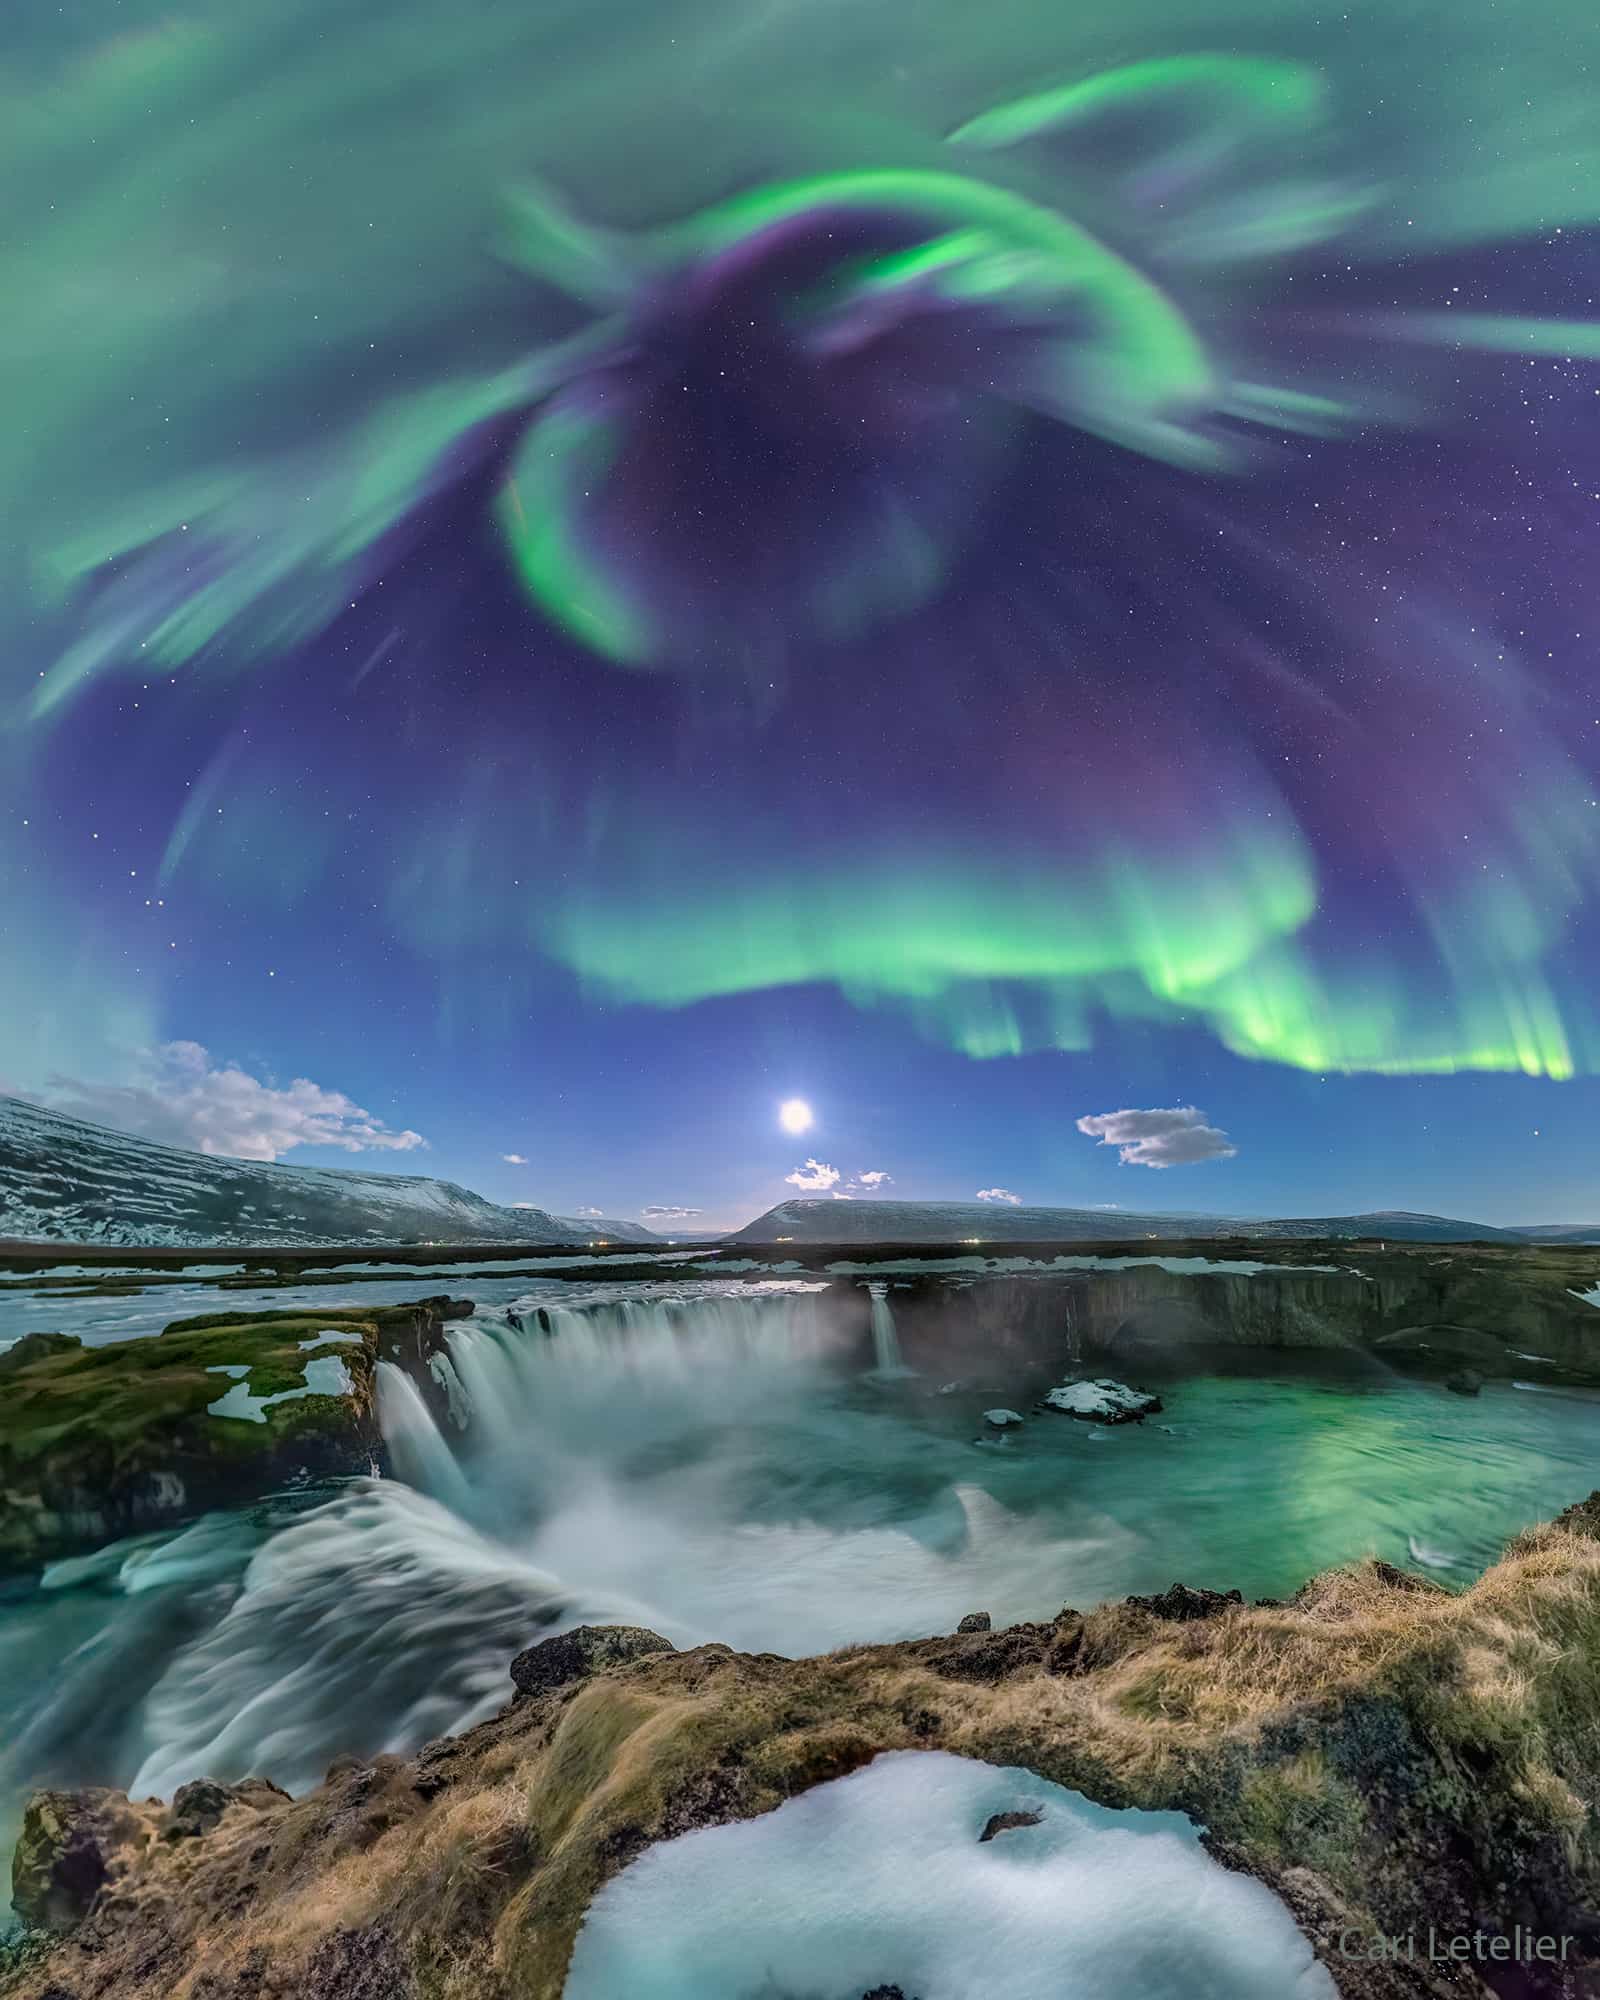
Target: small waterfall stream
888	1364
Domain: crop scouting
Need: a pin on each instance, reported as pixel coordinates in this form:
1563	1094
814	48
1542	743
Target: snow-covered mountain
63	1180
605	1229
829	1221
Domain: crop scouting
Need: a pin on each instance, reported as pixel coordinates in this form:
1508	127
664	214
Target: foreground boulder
101	1442
585	1650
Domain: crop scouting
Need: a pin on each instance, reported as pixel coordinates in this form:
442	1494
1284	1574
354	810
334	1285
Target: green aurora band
344	277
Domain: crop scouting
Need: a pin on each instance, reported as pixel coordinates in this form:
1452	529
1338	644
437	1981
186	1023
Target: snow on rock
1001	1419
885	1879
1103	1401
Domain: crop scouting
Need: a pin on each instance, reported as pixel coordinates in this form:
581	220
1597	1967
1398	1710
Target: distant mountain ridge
63	1180
829	1221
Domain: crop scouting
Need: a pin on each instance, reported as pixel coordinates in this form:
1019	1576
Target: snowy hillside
62	1180
603	1229
830	1221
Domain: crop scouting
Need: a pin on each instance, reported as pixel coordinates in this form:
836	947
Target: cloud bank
668	1212
1000	1194
1179	1137
180	1097
814	1177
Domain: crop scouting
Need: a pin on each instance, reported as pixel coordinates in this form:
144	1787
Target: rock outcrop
1102	1402
101	1442
586	1649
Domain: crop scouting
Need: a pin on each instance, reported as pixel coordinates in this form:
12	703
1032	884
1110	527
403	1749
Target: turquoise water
725	1464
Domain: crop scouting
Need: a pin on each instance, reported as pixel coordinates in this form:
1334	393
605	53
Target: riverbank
1391	1759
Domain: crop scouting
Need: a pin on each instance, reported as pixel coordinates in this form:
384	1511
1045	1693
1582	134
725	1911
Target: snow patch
327	1376
882	1878
1001	1419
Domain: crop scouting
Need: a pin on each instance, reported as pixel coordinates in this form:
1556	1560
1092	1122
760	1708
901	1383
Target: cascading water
888	1364
707	1458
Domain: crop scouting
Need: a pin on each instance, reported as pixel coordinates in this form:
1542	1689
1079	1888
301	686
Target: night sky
576	572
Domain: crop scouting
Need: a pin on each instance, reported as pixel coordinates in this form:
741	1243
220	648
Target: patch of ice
881	1878
326	1376
1001	1419
1590	1297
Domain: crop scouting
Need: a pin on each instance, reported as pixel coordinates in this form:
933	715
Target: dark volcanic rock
585	1650
985	1657
71	1845
1582	1518
1181	1603
1464	1382
1004	1822
197	1808
976	1621
358	1965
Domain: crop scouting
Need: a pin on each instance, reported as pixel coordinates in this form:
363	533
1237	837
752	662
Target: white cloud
589	1211
668	1212
524	1204
1179	1137
514	1160
1000	1194
814	1177
870	1182
181	1098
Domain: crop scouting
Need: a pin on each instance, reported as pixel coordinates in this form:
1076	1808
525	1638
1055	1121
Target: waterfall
888	1365
1074	1338
420	1455
538	1394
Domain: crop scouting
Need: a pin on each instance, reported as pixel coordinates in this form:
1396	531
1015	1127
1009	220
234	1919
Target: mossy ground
136	1399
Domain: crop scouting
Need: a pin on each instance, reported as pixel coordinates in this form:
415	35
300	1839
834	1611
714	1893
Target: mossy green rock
100	1442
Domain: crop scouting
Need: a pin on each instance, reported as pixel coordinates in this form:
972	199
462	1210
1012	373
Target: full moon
794	1115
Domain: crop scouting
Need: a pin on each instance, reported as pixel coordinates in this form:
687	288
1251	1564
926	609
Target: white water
888	1364
707	1459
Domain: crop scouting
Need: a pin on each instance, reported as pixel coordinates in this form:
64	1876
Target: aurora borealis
575	570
